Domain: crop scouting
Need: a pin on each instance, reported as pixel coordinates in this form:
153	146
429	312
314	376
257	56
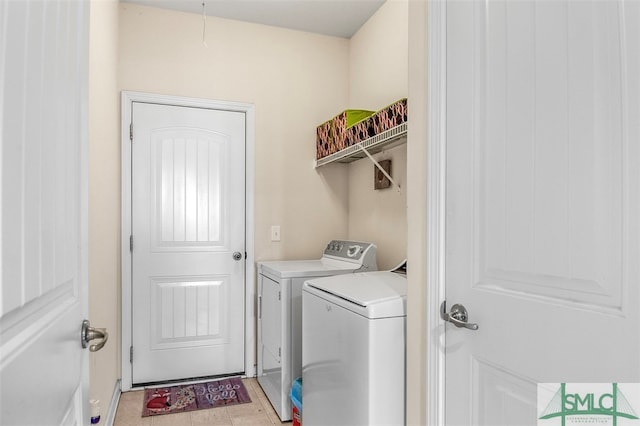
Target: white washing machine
353	349
280	317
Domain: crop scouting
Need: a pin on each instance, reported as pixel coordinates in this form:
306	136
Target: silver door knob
458	316
89	333
237	255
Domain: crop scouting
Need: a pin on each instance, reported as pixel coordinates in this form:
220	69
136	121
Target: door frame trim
436	211
127	98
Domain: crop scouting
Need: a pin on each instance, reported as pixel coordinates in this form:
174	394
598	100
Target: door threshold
187	381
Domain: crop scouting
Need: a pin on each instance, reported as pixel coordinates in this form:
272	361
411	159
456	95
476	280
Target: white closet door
543	200
43	177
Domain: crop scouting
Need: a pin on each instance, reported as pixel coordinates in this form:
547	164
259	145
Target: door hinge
131	243
279	352
278	295
131	132
131	354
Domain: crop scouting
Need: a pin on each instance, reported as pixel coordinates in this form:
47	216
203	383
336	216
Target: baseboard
113	406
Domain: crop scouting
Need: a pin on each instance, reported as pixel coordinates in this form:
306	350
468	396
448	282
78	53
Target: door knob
237	255
458	316
89	333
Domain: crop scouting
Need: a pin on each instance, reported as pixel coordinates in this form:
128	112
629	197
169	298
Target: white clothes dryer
353	349
280	313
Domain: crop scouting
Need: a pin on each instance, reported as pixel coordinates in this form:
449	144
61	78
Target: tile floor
258	412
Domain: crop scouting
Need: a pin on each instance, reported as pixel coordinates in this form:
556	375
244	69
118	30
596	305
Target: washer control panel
351	250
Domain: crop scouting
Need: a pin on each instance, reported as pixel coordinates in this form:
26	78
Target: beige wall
378	76
378	69
104	197
296	80
380	216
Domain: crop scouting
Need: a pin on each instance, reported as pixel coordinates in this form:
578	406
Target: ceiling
339	18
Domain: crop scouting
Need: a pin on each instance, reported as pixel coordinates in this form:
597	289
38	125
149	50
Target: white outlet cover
275	233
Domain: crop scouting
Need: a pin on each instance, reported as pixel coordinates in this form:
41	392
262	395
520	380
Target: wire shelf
387	139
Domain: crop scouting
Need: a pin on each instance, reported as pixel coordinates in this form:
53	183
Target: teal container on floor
296	393
296	400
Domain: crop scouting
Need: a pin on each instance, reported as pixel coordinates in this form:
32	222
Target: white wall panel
500	396
40	74
546	93
188	313
189	197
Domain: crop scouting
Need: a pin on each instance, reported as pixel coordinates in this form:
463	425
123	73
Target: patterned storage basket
331	136
360	131
324	145
390	117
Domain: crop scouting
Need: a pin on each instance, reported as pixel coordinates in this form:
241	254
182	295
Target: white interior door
188	242
543	186
43	262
